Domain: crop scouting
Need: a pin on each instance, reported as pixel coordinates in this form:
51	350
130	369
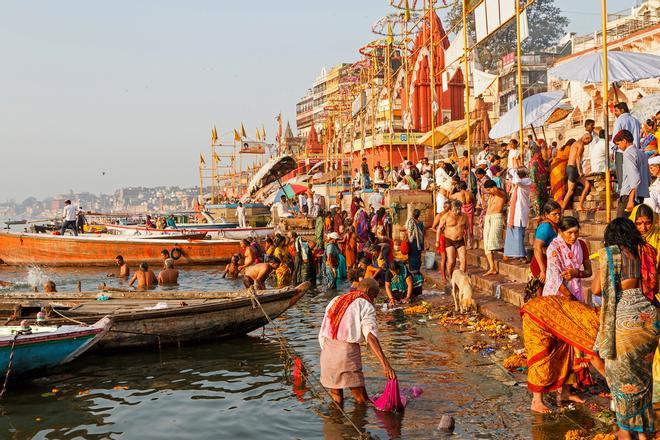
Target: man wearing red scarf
349	320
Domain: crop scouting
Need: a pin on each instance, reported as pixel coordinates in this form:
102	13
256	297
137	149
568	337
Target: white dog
461	291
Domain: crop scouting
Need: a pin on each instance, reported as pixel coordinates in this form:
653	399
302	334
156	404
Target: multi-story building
305	114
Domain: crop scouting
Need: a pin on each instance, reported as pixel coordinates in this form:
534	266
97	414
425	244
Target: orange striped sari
554	329
558	178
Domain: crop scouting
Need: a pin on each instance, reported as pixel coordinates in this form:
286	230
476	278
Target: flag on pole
201	160
214	135
390	37
237	137
406	12
258	137
216	157
243	135
263	133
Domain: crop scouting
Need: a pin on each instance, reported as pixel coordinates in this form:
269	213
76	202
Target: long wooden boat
38	347
153	318
229	233
54	250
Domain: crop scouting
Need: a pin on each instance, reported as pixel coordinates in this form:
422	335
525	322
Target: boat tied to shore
101	250
149	318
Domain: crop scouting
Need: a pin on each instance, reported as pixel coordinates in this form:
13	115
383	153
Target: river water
239	388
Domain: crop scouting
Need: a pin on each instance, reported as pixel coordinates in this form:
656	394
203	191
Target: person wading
349	320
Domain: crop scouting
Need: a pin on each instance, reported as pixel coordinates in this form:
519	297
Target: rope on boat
291	355
11	359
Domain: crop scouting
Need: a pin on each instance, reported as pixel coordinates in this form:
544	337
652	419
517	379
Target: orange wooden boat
57	250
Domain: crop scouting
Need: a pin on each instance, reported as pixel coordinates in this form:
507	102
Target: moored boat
152	318
52	250
230	233
38	347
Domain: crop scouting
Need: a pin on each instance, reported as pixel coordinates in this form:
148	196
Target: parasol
452	131
646	107
272	171
621	66
535	109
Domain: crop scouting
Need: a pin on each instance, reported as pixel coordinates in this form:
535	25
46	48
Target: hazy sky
132	87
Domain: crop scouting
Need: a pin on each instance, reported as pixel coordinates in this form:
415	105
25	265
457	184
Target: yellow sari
558	178
653	238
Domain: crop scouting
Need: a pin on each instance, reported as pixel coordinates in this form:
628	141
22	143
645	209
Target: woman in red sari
558	178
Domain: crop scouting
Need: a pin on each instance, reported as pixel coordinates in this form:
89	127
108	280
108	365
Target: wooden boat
150	318
54	250
230	233
39	347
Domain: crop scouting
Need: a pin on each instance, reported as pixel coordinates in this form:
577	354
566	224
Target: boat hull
42	351
205	320
230	233
51	250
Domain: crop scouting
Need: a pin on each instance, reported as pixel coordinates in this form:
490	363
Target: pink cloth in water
391	400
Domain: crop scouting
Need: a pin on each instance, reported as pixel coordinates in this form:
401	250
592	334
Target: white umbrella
646	107
535	108
621	66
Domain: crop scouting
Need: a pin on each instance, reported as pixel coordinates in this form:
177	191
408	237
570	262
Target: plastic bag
391	400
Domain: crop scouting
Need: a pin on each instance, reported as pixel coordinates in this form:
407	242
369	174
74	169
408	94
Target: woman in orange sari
350	249
554	327
558	179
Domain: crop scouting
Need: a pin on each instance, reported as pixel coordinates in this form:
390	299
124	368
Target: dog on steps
461	292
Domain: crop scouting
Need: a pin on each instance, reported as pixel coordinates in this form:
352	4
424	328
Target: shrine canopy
452	131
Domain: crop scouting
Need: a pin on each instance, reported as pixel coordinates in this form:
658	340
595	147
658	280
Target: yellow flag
406	13
243	135
214	135
201	160
263	133
390	37
258	138
216	157
237	137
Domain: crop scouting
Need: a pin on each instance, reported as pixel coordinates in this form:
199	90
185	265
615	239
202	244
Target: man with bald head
574	167
349	320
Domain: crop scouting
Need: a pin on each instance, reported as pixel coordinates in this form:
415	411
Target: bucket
429	260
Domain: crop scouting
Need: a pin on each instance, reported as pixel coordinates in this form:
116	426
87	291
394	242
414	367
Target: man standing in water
124	270
145	277
169	276
258	273
574	167
349	320
69	218
455	227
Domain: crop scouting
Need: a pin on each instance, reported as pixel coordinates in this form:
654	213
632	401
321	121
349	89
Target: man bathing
493	223
124	270
258	273
574	167
231	270
169	276
455	225
349	320
145	278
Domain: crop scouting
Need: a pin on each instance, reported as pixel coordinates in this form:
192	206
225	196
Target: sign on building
249	147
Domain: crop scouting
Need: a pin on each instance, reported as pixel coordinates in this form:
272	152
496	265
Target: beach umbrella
621	66
646	108
535	109
452	131
290	190
559	113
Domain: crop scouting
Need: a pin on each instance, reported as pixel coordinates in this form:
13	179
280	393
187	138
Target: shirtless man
440	238
249	254
466	197
169	276
124	270
493	223
455	224
231	270
574	167
49	287
258	273
145	277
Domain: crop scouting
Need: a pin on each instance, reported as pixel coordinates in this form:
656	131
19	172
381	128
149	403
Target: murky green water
240	388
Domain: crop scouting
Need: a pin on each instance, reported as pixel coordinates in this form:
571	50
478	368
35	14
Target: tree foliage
546	27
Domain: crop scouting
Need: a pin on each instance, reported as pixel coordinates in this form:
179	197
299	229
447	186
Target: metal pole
606	109
467	91
520	89
389	95
432	78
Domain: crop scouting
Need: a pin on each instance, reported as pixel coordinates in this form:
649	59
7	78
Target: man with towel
349	320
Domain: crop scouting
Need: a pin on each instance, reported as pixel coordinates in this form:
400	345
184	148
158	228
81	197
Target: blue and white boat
37	348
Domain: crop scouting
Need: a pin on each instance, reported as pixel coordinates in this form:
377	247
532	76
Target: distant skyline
132	89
